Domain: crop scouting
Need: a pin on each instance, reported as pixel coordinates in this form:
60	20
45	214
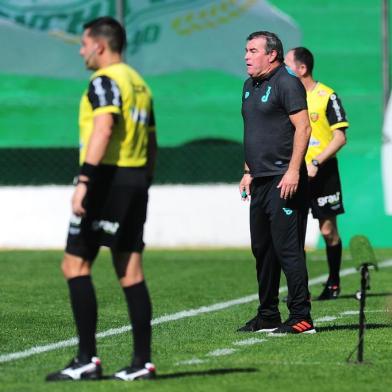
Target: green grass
34	311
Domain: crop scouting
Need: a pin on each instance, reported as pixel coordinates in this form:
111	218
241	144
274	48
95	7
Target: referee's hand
312	170
77	199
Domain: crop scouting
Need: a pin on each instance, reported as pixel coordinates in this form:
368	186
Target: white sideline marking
249	342
325	319
350	312
347	313
170	317
193	361
356	312
221	351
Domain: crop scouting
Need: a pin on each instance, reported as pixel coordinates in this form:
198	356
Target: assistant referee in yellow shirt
329	124
109	204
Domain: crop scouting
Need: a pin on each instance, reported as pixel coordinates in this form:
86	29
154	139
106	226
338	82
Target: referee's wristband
246	171
88	170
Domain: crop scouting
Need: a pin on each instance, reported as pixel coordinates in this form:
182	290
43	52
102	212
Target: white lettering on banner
331	199
106	226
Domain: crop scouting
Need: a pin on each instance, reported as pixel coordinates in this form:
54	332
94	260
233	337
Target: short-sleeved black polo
268	131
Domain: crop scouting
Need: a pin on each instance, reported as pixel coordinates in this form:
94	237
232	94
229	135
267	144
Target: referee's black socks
334	257
140	311
84	307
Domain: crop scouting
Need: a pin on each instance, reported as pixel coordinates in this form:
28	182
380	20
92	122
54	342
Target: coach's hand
245	186
77	199
288	184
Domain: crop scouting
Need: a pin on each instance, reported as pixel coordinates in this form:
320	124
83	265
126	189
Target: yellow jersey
326	114
118	89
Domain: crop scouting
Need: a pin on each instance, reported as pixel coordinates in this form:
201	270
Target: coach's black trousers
278	230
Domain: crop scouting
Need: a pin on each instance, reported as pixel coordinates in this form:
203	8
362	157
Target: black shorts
116	209
326	199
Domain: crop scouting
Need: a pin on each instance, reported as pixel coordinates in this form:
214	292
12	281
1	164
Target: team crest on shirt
247	93
322	93
314	116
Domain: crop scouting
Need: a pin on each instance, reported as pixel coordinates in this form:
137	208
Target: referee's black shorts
326	199
116	209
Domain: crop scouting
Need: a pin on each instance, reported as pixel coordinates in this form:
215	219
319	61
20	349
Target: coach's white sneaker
132	373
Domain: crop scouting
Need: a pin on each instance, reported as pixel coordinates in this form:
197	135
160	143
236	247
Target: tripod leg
364	284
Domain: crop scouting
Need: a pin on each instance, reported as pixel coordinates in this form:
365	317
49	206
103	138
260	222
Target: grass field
200	350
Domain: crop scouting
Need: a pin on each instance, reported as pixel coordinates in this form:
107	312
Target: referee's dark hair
272	43
109	28
304	56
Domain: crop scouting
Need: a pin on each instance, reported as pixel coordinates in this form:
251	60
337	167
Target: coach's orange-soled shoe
296	327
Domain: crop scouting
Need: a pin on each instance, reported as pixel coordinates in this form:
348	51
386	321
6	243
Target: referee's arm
339	139
99	139
96	148
152	146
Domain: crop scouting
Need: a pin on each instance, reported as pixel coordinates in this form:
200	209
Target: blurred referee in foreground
117	156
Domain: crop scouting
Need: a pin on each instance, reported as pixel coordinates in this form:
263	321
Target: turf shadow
352	296
202	373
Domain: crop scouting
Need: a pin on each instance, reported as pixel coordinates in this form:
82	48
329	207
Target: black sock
334	257
84	307
139	307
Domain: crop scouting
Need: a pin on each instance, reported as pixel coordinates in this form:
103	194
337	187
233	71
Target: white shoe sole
266	329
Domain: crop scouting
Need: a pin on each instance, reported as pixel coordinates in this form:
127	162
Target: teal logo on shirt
287	211
265	97
247	93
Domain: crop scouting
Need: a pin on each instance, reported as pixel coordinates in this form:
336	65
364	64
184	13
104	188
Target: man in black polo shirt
276	136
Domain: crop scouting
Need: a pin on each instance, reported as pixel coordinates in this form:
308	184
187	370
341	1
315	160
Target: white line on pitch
248	342
193	361
325	319
221	351
170	317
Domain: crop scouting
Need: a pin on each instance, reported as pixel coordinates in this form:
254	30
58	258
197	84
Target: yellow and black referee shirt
120	90
326	114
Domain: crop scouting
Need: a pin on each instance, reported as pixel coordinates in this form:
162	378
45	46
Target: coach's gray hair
272	43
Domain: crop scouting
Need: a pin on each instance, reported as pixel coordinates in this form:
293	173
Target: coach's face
88	51
258	62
